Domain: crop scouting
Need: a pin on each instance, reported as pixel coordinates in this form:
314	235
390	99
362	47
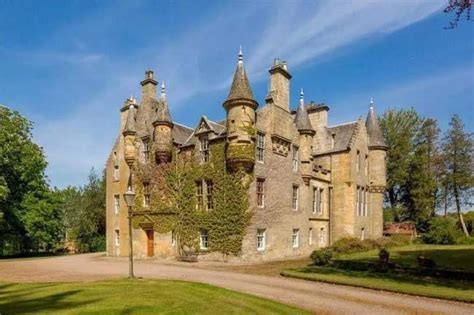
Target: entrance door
150	243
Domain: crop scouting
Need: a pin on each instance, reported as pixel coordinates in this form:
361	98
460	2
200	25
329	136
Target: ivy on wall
172	206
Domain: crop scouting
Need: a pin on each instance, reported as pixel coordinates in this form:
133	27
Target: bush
442	231
322	257
349	245
465	240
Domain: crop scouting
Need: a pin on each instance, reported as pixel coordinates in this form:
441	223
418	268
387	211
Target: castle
310	184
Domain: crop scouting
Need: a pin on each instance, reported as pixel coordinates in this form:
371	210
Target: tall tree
22	165
458	155
399	128
460	8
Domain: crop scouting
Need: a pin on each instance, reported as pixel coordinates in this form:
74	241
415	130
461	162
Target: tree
84	214
22	165
399	129
459	7
458	153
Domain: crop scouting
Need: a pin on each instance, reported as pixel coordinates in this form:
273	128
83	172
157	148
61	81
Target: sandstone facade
311	183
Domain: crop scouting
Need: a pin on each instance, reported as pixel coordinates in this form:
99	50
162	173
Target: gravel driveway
318	297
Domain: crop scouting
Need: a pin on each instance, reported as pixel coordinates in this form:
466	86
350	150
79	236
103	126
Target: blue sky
69	65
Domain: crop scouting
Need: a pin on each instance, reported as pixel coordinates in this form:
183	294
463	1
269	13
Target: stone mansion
310	183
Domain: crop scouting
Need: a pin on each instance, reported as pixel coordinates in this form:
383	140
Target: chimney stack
280	84
149	85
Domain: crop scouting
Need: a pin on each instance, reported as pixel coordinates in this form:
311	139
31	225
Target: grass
458	257
133	297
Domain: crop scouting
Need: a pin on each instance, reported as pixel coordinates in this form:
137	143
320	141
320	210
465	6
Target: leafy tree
399	129
442	231
459	7
458	153
84	214
43	219
22	165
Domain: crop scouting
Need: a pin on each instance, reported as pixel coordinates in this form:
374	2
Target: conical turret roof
162	112
302	122
240	88
373	128
130	128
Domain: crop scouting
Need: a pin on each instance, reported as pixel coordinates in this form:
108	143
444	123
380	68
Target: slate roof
181	133
343	135
240	88
302	121
162	112
129	127
373	129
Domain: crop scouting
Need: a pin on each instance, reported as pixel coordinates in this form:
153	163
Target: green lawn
459	257
132	297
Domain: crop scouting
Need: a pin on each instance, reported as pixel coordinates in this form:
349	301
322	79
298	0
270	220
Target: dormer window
204	149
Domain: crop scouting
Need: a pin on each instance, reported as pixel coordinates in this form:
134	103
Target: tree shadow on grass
454	259
400	278
33	300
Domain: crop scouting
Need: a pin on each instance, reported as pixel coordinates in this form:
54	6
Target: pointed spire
373	128
240	89
302	122
129	128
162	112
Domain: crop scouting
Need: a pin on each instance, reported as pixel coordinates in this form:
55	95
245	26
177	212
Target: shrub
465	240
384	256
322	257
442	231
349	245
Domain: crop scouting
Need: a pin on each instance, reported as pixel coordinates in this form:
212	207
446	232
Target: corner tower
240	106
377	171
307	132
162	129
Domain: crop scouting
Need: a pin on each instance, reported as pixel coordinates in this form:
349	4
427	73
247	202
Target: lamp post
129	197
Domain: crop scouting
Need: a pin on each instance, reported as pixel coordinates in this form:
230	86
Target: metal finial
241	55
302	97
371	103
163	89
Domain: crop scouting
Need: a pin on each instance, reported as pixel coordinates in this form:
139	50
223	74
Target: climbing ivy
172	188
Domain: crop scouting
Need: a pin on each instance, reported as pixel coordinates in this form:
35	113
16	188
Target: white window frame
204	148
116	204
318	204
295	197
199	194
261	239
260	193
204	239
209	195
296	238
295	157
146	195
260	147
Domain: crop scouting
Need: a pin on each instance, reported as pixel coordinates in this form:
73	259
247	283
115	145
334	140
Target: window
296	238
199	195
366	199
204	239
366	165
318	200
358	201
117	237
204	149
260	147
333	140
330	194
146	150
260	192
260	239
321	236
116	204
295	197
310	241
146	194
295	158
362	234
358	161
209	197
173	238
116	172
